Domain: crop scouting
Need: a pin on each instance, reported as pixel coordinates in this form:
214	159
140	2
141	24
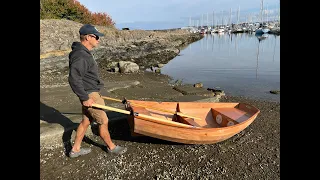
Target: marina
266	21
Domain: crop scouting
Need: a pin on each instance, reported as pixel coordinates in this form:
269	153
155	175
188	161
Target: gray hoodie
83	72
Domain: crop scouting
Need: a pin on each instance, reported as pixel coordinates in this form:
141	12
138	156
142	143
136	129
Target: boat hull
209	133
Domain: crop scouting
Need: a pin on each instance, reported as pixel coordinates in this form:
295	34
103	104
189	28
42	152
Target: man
86	84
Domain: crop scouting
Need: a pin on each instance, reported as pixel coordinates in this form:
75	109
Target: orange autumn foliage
73	10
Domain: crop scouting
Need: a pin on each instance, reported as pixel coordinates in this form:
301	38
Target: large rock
128	67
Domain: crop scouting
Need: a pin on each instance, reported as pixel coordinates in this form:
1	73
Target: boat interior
205	115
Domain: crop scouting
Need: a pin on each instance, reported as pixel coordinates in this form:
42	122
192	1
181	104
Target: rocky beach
123	56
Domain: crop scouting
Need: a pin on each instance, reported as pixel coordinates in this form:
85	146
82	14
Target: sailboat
264	26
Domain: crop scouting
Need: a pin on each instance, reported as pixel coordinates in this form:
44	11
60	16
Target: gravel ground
254	153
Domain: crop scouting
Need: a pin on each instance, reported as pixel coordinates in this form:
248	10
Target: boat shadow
119	129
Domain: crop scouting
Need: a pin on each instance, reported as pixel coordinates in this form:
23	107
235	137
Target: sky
174	12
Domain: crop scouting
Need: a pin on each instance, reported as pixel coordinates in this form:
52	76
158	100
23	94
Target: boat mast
267	14
238	15
212	19
230	19
222	19
279	12
261	12
202	21
207	20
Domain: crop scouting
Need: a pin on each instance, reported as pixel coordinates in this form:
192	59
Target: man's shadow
52	115
117	126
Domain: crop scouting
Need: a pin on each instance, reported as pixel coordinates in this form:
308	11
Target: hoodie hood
78	46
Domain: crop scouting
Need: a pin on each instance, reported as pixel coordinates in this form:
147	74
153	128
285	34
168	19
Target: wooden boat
212	122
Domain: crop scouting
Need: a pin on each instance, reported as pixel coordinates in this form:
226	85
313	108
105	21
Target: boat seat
185	120
190	121
227	116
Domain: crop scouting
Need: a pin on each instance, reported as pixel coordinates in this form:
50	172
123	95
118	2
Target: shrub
72	10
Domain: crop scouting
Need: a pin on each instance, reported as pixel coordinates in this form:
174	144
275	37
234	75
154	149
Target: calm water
239	64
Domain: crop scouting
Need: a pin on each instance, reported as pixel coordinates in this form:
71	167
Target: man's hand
88	103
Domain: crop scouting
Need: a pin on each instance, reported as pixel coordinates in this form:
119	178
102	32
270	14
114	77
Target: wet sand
254	153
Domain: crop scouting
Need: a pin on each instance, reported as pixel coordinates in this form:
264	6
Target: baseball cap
89	29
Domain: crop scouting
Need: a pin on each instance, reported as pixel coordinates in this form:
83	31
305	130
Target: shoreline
148	86
253	153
